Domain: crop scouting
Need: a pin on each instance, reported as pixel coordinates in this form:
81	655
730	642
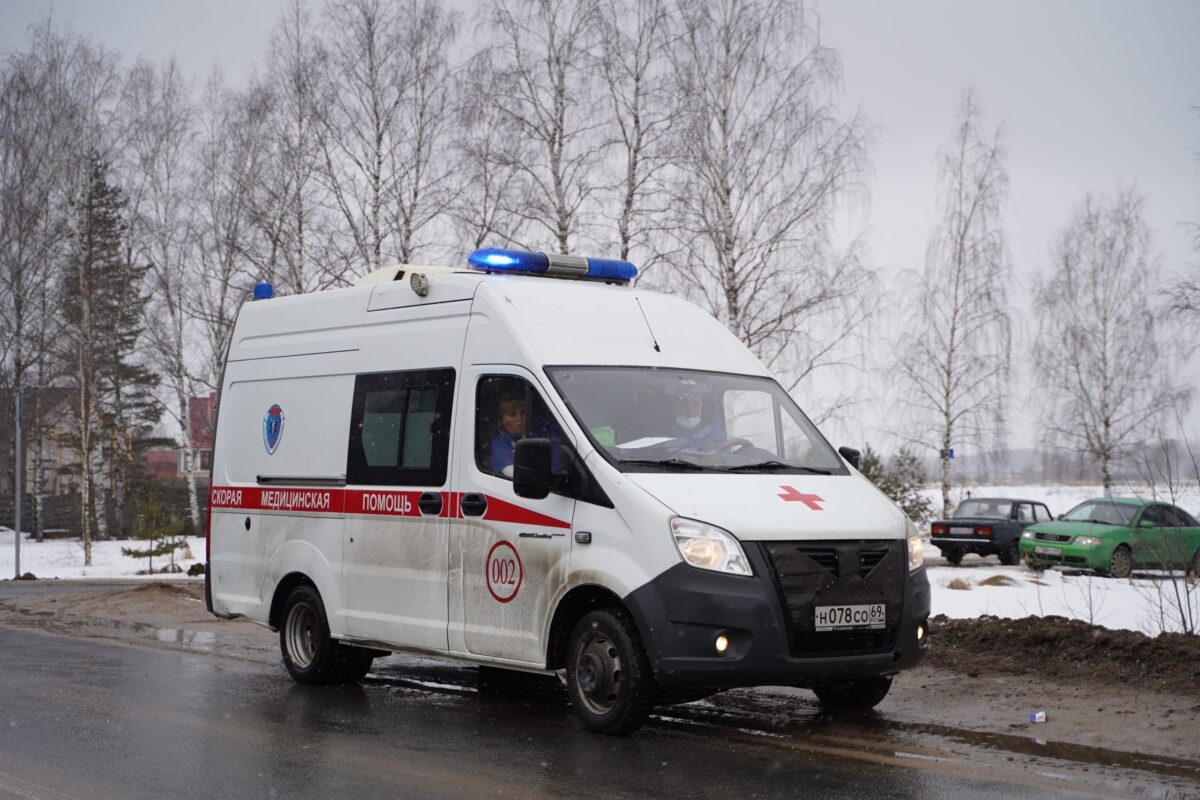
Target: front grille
1052	537
869	560
828	573
825	557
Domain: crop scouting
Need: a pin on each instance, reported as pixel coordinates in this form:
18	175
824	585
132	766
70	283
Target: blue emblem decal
272	429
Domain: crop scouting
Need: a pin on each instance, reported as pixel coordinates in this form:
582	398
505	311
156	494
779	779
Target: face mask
688	422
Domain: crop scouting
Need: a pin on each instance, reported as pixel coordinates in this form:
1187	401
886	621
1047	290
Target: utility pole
17	485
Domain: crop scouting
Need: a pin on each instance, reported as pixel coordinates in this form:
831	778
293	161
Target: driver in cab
691	432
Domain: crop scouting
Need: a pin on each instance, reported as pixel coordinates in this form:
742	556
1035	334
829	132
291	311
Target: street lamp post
17	485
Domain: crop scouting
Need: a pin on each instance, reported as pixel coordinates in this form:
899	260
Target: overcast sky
1092	94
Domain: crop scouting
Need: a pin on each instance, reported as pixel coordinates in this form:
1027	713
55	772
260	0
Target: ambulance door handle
473	505
430	503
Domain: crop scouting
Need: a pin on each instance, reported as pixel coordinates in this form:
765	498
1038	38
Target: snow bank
63	558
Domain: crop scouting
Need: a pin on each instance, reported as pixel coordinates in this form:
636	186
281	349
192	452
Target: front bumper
979	546
682	612
1068	555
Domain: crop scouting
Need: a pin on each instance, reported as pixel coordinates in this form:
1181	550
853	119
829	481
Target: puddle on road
201	640
792	721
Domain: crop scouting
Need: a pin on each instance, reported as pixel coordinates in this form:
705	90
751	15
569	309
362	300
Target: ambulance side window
400	428
507	409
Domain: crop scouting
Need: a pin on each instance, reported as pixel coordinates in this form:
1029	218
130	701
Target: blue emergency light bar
494	259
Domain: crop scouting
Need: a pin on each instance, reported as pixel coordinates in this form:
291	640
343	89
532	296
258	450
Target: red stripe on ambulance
398	504
500	511
372	502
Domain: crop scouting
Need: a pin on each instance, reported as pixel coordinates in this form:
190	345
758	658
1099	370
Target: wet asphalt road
86	719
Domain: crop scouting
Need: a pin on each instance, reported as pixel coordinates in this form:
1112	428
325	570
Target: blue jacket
504	445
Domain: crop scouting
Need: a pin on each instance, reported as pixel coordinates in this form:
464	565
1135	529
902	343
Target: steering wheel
734	445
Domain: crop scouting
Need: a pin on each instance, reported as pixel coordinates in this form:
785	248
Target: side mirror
531	468
851	455
1146	523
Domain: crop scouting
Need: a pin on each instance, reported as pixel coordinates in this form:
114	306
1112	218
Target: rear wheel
1011	555
953	555
1120	565
608	677
309	653
858	693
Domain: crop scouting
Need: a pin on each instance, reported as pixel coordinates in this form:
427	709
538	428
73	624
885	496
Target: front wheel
1034	563
311	656
1120	565
859	693
608	677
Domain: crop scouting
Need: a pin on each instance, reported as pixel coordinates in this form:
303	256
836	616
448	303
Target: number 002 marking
503	571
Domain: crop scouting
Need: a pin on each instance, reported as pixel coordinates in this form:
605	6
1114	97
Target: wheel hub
598	674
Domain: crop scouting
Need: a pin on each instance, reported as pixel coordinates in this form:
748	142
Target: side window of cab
507	409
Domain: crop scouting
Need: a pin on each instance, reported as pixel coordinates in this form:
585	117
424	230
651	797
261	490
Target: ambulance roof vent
397	272
494	259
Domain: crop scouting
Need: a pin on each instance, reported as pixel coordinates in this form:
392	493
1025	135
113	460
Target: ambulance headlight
708	547
916	551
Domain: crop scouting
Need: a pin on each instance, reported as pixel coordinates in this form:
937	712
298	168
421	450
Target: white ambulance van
531	465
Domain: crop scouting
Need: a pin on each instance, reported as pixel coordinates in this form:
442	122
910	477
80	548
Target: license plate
1046	551
840	618
962	531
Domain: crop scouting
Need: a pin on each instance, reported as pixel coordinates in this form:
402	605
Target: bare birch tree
955	364
635	68
763	162
1103	376
487	148
83	91
230	151
290	206
161	143
546	77
359	134
28	230
1183	296
419	161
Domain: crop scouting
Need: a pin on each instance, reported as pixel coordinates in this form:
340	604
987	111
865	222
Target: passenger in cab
512	425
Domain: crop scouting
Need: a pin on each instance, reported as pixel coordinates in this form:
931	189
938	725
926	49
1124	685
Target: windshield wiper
1099	522
771	466
674	463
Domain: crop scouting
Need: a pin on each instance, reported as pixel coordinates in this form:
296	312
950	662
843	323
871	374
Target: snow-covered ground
63	558
1148	603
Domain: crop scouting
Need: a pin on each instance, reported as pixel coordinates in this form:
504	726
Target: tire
1193	569
953	555
1034	563
608	676
859	693
1011	555
1120	564
311	656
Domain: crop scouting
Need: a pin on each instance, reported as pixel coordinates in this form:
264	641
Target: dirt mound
1064	649
168	590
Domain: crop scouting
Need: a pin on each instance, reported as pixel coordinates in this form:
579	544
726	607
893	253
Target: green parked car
1113	535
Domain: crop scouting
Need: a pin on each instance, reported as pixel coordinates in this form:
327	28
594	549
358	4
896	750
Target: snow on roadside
1062	498
63	558
1144	603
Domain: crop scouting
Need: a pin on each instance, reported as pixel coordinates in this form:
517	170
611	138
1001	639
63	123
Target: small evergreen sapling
163	533
901	480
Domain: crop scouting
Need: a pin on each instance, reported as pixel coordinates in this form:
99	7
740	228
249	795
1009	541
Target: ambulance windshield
670	420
